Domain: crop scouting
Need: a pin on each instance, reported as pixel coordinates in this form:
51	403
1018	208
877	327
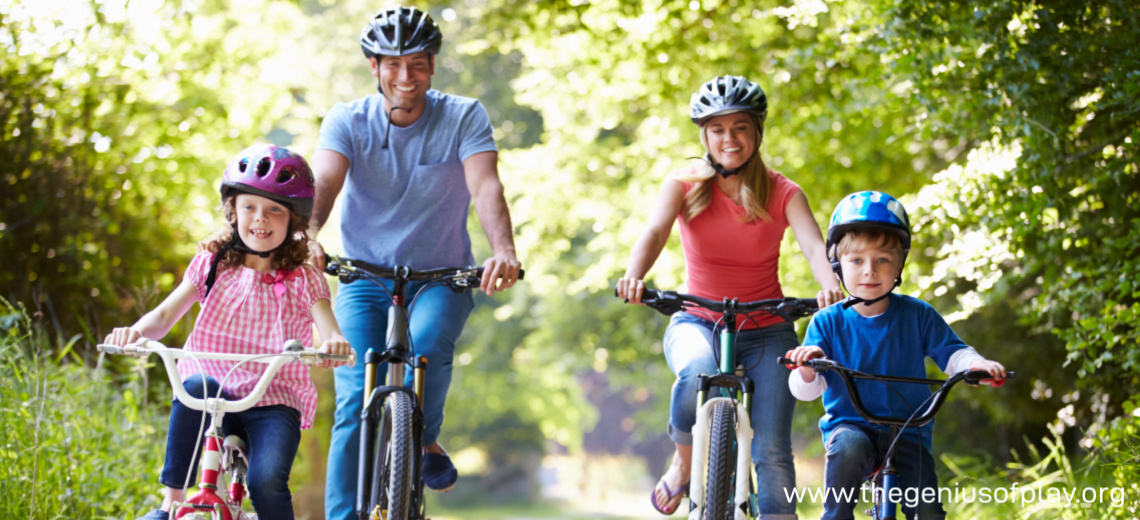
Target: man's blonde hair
863	239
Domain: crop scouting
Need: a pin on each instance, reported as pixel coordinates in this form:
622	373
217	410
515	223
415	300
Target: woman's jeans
361	309
271	435
689	350
854	450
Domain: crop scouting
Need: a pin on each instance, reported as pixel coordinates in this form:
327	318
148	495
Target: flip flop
670	495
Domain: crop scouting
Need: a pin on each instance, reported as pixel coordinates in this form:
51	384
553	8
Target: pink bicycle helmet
274	172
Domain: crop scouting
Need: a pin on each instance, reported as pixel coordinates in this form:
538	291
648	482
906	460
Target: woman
732	212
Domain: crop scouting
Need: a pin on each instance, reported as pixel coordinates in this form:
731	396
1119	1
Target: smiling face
262	224
731	139
405	80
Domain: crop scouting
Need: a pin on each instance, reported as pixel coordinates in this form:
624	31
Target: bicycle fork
396	356
212	464
701	439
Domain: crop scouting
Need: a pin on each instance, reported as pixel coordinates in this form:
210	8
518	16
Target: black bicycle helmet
725	95
400	31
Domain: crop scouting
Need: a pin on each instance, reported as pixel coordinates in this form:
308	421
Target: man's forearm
495	217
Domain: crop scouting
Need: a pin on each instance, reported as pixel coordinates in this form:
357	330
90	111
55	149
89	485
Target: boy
878	332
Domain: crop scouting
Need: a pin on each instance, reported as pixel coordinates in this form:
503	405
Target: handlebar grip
109	349
974	377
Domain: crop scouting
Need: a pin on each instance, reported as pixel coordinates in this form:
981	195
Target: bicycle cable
218	395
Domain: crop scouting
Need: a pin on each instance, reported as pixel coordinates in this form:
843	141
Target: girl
732	212
255	292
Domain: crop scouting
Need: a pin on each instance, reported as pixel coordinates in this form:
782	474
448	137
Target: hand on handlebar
804	353
317	255
630	289
123	336
338	346
995	369
500	272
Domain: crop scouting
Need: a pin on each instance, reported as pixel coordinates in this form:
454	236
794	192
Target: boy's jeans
271	435
854	450
689	352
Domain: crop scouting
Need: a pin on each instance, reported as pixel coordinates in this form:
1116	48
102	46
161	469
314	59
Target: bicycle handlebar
292	351
971	377
349	270
671	302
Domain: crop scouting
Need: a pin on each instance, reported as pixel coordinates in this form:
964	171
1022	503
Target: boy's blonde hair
863	239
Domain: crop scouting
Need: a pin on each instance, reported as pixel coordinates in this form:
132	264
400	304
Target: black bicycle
885	478
389	476
724	423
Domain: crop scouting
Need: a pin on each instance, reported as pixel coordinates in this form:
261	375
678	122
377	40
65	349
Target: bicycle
885	478
719	487
389	476
220	456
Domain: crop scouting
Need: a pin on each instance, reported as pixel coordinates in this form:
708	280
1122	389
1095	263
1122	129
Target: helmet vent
243	164
285	175
263	166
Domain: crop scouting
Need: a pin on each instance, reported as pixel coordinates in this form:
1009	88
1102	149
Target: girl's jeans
361	309
854	450
689	351
271	435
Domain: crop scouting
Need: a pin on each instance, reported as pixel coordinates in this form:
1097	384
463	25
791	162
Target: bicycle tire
397	447
722	463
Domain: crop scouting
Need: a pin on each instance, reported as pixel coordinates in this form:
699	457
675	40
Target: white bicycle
221	456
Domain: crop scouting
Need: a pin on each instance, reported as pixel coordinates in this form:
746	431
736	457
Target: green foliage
75	443
115	122
1050	484
1043	216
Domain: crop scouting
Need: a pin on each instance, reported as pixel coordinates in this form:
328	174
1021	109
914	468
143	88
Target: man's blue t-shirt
893	343
407	204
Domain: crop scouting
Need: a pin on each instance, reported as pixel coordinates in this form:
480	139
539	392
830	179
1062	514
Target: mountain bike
220	456
885	478
389	476
721	483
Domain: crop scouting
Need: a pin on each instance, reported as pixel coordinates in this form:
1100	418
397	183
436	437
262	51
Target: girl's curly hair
292	254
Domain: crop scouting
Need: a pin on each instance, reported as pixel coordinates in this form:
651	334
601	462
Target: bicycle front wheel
722	463
392	480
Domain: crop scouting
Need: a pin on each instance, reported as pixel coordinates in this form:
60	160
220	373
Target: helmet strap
725	172
854	300
388	126
238	245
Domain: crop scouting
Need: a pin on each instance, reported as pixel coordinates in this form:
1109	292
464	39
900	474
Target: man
411	160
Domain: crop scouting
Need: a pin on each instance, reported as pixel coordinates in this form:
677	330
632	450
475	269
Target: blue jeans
854	450
362	311
271	435
689	351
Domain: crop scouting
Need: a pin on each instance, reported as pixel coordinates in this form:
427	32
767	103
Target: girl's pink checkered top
246	315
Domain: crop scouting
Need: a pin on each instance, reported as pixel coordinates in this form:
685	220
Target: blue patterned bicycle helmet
867	210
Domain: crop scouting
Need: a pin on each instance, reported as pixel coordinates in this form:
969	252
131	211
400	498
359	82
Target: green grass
73	442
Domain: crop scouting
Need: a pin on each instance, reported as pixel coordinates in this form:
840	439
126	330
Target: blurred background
1009	129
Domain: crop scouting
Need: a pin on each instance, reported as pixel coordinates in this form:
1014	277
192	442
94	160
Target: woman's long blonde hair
755	185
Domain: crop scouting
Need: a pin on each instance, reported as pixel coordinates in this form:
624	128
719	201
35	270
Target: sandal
679	494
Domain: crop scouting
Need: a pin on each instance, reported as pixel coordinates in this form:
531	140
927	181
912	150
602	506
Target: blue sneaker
440	474
157	514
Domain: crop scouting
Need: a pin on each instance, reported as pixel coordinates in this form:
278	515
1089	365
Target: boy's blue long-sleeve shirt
893	343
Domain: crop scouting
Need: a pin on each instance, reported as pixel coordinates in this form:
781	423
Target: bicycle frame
218	454
371	498
669	302
883	508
